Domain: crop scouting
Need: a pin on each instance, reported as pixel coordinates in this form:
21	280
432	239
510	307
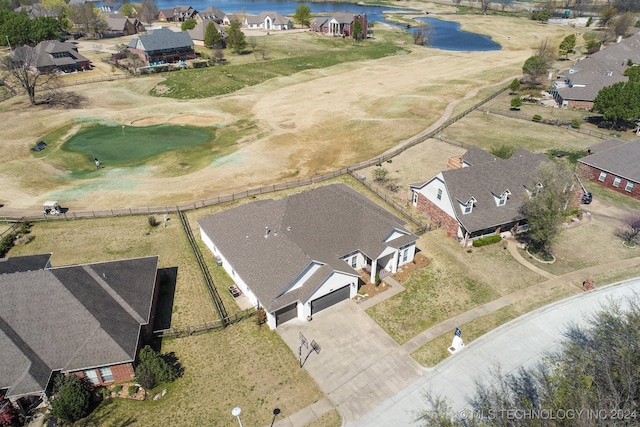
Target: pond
126	145
447	35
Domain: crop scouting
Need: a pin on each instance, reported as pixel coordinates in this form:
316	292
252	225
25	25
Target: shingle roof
45	51
343	17
164	39
621	159
200	30
319	225
24	263
71	318
212	12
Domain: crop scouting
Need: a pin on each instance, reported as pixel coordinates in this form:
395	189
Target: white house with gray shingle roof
481	198
299	255
89	320
268	21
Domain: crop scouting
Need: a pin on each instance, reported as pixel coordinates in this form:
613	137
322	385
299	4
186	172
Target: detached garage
297	256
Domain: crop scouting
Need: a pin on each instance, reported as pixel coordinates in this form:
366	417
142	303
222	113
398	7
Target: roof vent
289	228
266	232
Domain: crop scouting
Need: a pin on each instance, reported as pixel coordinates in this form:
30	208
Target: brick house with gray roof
163	46
578	86
89	320
614	164
482	197
57	56
340	24
299	255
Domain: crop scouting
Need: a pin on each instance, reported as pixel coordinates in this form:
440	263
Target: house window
415	197
439	193
616	181
503	200
92	376
629	186
467	208
405	255
354	261
106	374
602	176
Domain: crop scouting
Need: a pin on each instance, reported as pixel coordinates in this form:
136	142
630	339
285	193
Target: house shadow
164	307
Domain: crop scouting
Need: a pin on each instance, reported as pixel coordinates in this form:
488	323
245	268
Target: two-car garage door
329	299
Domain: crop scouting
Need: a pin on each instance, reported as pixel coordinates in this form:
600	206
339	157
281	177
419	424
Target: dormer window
468	206
502	199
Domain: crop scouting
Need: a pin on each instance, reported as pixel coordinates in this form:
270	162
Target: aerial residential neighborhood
323	214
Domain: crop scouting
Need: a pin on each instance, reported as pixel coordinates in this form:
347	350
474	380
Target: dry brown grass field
313	122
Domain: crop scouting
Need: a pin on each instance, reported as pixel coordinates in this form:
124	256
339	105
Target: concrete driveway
359	365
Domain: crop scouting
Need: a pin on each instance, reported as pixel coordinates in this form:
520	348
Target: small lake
447	35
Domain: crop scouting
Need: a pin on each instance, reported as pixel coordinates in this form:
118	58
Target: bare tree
218	56
485	5
630	231
21	67
264	49
620	25
87	19
149	11
546	50
253	43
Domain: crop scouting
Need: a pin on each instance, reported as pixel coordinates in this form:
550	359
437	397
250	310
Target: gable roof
47	54
200	30
24	263
616	157
317	226
343	17
487	179
212	12
162	39
115	21
71	318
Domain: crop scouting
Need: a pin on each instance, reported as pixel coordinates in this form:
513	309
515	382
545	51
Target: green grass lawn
292	55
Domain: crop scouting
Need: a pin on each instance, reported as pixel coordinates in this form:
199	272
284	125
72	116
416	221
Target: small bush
132	389
575	123
105	392
261	316
153	221
117	389
483	241
153	369
537	118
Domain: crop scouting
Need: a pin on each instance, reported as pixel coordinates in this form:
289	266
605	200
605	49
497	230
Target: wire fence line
185	331
151	210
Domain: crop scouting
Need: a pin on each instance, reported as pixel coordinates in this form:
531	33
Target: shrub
71	401
117	389
537	117
132	389
575	123
483	241
261	316
105	392
153	369
153	221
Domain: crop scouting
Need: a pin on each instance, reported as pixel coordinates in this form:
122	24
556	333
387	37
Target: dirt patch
405	271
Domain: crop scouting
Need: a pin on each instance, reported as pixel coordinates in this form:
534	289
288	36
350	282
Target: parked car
587	198
39	146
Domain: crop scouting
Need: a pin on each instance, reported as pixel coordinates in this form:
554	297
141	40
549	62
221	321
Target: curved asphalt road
520	342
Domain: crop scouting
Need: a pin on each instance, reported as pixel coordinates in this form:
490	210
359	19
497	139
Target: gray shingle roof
47	48
71	318
343	17
164	39
319	225
616	157
24	263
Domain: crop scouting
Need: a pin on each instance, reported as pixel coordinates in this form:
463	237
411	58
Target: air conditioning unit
218	260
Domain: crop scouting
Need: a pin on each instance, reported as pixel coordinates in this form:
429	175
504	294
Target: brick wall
123	372
437	216
592	174
584	105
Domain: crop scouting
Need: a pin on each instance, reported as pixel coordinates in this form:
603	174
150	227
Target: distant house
268	21
341	24
166	15
90	320
35	11
57	56
120	25
163	46
614	164
213	14
110	7
177	14
233	17
199	31
297	256
482	197
578	86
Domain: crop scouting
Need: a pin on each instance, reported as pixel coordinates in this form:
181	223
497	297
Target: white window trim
602	177
629	186
616	181
107	376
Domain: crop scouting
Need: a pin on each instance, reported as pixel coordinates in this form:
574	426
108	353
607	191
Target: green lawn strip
242	365
610	196
436	351
213	81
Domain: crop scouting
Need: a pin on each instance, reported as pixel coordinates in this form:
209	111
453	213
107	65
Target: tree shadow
172	360
105	414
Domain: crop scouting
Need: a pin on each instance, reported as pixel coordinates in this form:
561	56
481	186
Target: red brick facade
438	216
593	174
121	373
583	105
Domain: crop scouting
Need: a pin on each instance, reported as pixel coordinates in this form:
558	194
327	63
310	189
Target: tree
148	11
212	37
44	28
606	14
595	370
516	103
534	68
620	25
544	210
541	15
218	56
188	24
380	174
87	19
55	7
71	402
485	5
357	30
302	16
619	102
515	85
236	40
153	369
567	45
253	42
630	231
546	50
16	27
633	72
21	67
504	4
130	10
503	151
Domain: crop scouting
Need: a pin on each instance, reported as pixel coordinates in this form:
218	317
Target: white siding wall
430	191
334	282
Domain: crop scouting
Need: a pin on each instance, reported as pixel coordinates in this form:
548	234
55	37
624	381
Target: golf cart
51	208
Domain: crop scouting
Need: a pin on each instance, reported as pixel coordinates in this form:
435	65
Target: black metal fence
185	331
